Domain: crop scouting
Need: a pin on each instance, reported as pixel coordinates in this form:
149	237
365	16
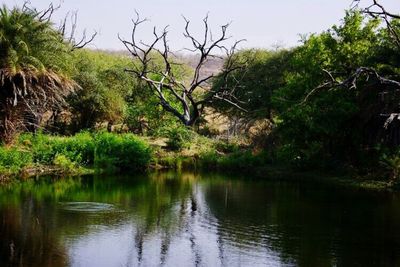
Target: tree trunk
109	126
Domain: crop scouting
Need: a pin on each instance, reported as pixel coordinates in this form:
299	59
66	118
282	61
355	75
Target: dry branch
191	105
377	10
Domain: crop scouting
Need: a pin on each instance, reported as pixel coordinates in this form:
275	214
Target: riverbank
232	158
286	173
35	155
88	153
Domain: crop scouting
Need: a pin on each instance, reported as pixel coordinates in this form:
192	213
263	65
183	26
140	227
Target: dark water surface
188	219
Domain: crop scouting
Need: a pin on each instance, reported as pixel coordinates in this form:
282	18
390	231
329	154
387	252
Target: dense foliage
107	151
34	67
104	89
331	125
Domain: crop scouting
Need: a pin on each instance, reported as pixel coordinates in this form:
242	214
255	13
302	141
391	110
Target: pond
188	219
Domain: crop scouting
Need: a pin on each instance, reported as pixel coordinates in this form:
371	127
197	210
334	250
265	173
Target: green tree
332	122
34	68
264	72
105	86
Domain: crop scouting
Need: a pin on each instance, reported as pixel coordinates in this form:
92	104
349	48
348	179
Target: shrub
392	164
40	147
209	160
227	147
241	161
237	161
63	162
121	152
12	159
103	150
179	138
78	148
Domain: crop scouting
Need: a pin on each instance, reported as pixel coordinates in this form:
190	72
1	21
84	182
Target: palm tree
33	69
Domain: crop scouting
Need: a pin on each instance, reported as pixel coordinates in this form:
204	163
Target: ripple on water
87	207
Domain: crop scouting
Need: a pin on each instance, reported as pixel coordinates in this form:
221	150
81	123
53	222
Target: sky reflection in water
175	219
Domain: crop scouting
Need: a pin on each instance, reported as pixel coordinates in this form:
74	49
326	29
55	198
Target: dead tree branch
69	21
351	82
167	85
377	10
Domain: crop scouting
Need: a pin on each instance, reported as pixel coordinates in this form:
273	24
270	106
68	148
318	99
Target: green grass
104	151
109	152
124	152
13	159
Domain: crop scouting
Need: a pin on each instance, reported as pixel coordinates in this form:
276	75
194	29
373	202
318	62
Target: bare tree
376	10
362	73
186	94
83	41
70	22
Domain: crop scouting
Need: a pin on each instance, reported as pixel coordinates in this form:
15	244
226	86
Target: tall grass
13	159
121	152
106	151
239	161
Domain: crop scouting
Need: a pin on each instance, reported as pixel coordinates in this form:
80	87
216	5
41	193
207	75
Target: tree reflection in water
186	219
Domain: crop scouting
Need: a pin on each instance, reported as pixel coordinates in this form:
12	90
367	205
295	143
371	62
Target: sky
263	23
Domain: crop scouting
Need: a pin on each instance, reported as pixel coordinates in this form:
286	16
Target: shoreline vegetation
34	156
83	153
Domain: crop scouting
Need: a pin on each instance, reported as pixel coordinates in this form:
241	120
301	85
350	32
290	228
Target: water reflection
171	219
86	207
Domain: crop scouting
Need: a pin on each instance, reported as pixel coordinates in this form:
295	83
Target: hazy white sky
264	23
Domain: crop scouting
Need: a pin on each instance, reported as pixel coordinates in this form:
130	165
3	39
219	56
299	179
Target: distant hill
212	66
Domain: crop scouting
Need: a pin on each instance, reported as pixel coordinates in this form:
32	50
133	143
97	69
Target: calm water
195	220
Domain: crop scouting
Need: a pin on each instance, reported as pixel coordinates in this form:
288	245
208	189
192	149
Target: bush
179	138
237	161
108	151
12	159
63	162
78	148
392	164
227	147
40	147
121	152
